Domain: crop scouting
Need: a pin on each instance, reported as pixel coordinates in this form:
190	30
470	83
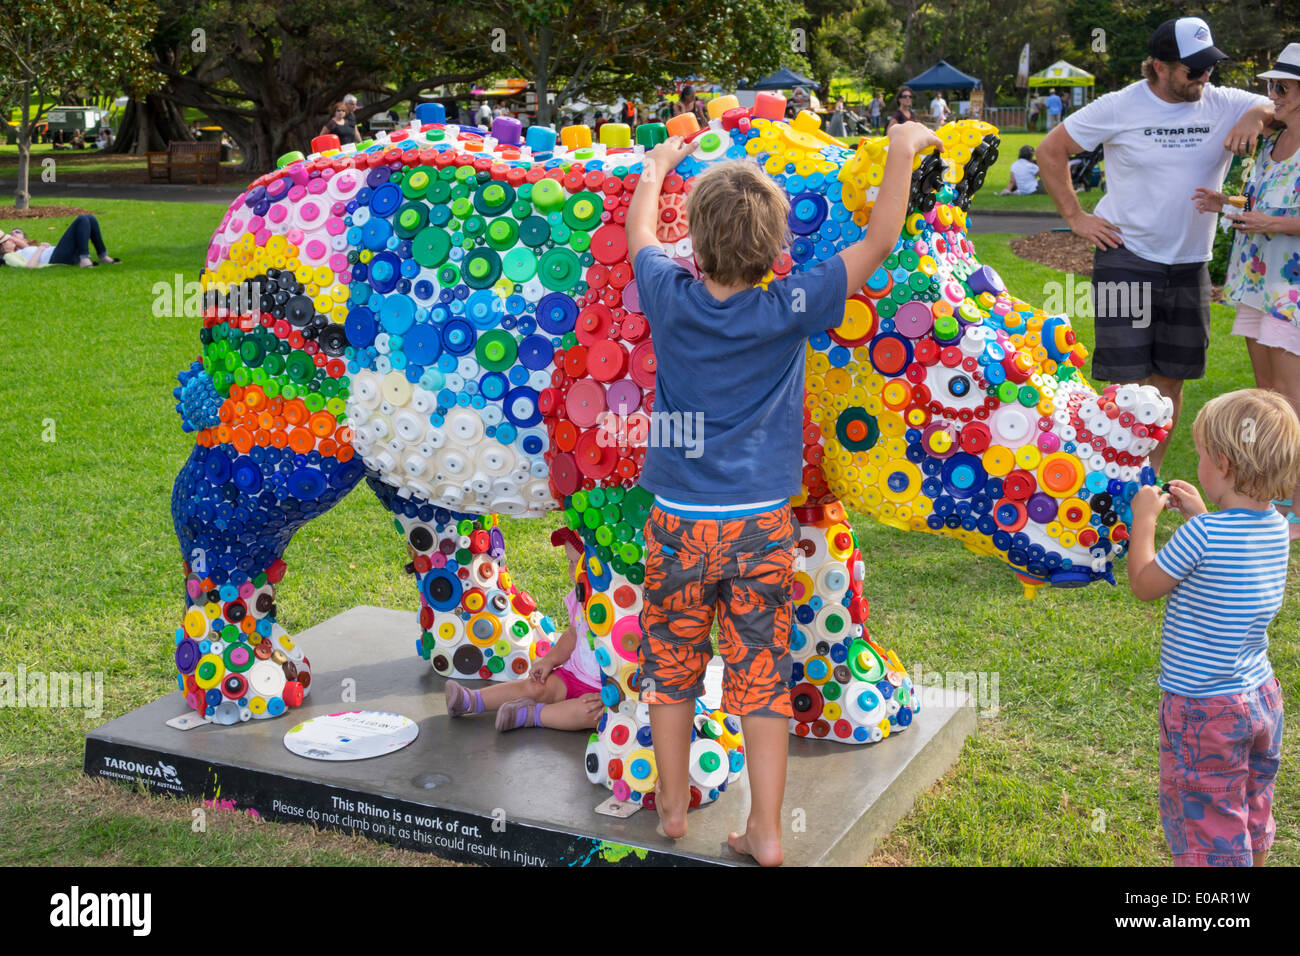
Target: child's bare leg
766	742
670	727
1257	859
580	713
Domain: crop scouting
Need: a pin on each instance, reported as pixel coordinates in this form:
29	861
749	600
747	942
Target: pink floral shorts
1218	762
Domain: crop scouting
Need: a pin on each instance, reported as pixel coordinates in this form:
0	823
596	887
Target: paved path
981	222
1021	224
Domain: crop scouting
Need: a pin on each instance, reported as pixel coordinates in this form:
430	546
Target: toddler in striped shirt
1224	572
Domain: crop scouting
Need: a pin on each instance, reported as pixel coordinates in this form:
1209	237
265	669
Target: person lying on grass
73	247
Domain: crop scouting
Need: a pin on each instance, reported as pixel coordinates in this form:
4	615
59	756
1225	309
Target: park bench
196	157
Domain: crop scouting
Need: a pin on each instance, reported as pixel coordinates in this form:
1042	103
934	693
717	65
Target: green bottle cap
650	135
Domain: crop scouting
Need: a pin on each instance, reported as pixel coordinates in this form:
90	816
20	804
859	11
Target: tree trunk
150	123
22	195
542	80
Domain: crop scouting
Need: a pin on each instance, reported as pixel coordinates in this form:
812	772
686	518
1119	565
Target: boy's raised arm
1146	579
865	256
644	208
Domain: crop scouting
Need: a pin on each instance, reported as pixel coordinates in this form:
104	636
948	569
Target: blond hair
739	222
1258	433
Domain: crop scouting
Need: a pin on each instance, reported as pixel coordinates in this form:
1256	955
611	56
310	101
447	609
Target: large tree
595	49
268	72
51	51
862	41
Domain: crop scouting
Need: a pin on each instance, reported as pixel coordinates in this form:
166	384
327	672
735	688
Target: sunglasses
1278	87
1196	74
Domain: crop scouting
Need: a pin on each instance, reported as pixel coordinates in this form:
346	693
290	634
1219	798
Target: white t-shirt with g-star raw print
1157	154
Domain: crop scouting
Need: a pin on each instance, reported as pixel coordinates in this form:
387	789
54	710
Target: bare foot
764	848
671	818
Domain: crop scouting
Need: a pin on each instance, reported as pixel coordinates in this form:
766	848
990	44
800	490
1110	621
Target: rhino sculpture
452	316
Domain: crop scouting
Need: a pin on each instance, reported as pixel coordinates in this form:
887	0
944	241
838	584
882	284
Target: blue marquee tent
943	76
782	79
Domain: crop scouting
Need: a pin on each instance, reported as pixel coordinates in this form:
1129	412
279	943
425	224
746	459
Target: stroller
1085	173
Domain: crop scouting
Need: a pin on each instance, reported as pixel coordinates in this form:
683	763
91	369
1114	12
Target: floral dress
1264	270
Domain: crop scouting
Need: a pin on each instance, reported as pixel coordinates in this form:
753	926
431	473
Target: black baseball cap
1185	40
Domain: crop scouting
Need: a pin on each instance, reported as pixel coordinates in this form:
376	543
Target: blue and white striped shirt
1231	567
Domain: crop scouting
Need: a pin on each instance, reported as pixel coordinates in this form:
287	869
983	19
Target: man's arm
1245	132
644	208
1054	168
865	256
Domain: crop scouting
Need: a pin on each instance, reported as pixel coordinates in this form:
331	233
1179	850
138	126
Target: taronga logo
1202	34
160	771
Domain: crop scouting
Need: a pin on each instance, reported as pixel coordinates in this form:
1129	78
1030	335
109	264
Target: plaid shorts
742	568
1150	318
1218	762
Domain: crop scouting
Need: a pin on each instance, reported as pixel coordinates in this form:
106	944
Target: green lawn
89	581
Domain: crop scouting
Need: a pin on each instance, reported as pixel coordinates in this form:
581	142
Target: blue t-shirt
1053	104
1231	568
735	367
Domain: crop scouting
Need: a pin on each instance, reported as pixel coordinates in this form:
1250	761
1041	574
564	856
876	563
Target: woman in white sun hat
1264	267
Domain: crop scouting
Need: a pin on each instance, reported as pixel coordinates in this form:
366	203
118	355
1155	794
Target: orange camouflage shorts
742	568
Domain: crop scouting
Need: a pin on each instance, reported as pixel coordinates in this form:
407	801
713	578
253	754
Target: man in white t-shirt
1164	136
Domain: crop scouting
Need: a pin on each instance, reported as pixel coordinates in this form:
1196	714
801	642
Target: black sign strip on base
452	834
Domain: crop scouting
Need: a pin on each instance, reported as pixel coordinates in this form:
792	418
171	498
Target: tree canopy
49	50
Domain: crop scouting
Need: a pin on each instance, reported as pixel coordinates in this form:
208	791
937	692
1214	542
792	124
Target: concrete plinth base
466	792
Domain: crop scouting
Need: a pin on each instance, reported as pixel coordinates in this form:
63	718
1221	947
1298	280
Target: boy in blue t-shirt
721	532
1224	572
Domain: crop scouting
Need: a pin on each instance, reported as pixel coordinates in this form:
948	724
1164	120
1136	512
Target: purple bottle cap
1042	508
506	130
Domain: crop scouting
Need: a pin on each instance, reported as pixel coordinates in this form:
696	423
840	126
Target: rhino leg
844	686
606	525
475	622
235	510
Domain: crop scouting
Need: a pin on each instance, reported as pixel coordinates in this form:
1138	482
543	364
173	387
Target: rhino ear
982	157
926	182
